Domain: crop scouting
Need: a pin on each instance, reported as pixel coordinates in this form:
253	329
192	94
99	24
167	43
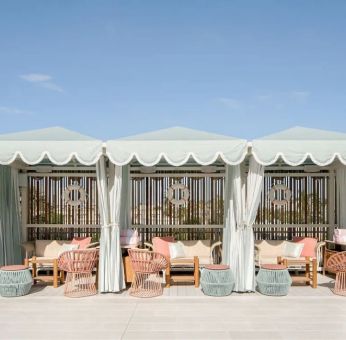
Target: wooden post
308	270
62	276
168	274
314	273
97	276
55	273
332	204
196	271
34	266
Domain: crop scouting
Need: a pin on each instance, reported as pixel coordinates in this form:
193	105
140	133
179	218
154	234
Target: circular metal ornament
81	195
287	194
184	197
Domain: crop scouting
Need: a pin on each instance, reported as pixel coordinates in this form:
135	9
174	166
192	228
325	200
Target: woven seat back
147	261
337	262
78	261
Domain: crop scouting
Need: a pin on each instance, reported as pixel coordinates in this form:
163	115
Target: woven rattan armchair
337	264
146	266
79	265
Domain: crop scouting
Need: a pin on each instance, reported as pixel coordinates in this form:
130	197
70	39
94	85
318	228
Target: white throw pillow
176	250
67	247
292	249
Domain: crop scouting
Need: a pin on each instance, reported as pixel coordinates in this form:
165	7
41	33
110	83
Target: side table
273	280
15	281
217	280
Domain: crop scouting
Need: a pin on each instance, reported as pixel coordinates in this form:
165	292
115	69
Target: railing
287	232
261	232
204	233
62	232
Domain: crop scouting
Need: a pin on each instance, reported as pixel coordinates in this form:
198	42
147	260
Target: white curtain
111	272
241	204
341	195
10	218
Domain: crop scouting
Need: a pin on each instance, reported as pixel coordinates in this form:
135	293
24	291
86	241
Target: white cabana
57	144
300	145
297	144
177	146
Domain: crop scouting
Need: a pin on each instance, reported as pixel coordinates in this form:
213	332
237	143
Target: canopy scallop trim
163	156
296	145
176	146
57	144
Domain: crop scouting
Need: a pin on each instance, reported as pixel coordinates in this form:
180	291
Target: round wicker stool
273	279
217	280
15	281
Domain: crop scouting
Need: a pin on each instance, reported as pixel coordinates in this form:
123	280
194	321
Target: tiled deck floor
183	312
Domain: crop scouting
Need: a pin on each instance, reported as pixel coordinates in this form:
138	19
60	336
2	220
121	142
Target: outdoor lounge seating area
172	208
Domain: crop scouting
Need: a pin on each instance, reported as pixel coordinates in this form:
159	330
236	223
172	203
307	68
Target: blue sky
115	68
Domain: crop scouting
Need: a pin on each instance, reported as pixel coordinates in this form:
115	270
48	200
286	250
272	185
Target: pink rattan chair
337	264
146	266
79	265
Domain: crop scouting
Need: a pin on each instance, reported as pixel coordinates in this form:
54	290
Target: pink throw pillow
309	245
83	242
161	244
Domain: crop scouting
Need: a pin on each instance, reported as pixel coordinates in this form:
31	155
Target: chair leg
146	285
196	271
168	275
340	284
79	285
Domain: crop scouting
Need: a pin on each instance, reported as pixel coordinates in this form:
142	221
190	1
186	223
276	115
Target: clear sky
115	68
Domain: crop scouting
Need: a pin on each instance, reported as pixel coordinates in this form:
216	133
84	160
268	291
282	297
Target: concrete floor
183	312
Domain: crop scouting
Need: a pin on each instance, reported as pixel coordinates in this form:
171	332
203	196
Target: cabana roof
297	144
176	146
57	144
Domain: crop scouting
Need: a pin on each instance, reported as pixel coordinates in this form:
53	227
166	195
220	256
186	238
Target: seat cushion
268	260
203	260
48	248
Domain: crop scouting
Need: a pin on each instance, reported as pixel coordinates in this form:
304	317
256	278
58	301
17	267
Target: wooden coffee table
183	264
310	275
54	262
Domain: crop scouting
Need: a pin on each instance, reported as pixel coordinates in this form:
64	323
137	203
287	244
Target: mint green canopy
59	145
177	146
297	144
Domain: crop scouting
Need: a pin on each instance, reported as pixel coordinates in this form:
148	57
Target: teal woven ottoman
273	280
217	280
15	281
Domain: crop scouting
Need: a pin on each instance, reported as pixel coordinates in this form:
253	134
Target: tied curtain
10	220
242	199
113	208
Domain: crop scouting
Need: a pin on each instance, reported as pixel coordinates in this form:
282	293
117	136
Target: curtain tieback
110	225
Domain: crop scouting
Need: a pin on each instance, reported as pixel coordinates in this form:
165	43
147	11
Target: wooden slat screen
307	213
46	204
150	206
